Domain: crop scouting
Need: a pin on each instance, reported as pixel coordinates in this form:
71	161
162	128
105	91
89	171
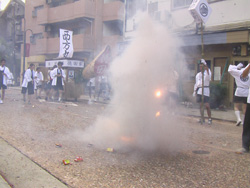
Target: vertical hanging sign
66	44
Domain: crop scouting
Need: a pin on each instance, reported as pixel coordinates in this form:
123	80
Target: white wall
224	12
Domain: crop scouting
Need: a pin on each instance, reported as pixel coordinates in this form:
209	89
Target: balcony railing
78	9
113	11
81	43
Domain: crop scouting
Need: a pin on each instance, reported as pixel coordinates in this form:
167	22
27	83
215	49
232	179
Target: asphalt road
47	133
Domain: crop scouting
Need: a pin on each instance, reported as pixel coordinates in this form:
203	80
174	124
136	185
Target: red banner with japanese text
102	61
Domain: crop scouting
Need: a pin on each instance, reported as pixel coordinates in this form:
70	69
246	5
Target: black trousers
246	129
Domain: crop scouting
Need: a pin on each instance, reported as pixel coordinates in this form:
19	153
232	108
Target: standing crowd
241	97
33	83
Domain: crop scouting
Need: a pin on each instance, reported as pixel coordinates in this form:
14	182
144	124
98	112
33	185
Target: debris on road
58	145
66	162
90	145
110	149
78	159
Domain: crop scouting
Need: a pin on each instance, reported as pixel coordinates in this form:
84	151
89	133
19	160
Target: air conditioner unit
34	14
47	28
162	15
32	39
19	33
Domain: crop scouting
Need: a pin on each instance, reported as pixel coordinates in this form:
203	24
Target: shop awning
70	63
216	38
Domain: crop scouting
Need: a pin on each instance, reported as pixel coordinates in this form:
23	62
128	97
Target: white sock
237	113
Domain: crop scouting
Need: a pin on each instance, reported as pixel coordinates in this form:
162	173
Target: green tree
218	93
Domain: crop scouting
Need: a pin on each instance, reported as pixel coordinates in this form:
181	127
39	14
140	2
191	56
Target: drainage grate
200	152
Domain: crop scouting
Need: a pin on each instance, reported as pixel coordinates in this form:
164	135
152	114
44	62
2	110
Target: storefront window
220	69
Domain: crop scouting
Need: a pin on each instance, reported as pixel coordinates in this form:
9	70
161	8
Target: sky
5	2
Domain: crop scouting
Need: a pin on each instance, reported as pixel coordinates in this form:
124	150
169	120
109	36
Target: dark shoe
238	123
199	121
242	151
209	121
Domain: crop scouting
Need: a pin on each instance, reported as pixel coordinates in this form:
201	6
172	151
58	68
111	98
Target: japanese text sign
200	10
66	44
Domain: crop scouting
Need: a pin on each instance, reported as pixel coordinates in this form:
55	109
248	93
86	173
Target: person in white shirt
58	75
38	82
241	92
48	85
102	86
172	91
4	75
10	80
246	124
198	89
28	83
91	87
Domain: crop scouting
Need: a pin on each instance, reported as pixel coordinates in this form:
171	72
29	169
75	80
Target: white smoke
145	67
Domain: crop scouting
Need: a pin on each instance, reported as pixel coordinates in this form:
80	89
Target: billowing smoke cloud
131	120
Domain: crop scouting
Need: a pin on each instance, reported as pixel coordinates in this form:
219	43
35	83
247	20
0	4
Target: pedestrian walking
241	92
48	85
28	83
246	124
10	80
4	75
172	96
58	76
91	88
38	82
102	87
198	89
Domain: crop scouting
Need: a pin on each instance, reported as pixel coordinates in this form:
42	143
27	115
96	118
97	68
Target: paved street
36	138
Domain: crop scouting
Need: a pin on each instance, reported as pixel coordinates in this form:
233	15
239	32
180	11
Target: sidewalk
22	172
3	183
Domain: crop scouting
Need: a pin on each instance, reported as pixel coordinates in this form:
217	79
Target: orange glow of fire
157	114
158	94
127	139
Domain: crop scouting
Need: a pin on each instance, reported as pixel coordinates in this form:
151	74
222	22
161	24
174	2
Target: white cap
203	62
240	66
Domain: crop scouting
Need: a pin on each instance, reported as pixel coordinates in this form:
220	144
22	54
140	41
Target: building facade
94	24
226	37
12	36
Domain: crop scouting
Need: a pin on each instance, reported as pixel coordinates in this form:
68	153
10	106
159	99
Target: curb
4	182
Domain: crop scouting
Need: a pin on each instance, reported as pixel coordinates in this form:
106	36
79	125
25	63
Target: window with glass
186	3
181	3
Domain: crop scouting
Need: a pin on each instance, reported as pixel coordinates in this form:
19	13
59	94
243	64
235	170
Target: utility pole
202	56
24	43
200	10
14	42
